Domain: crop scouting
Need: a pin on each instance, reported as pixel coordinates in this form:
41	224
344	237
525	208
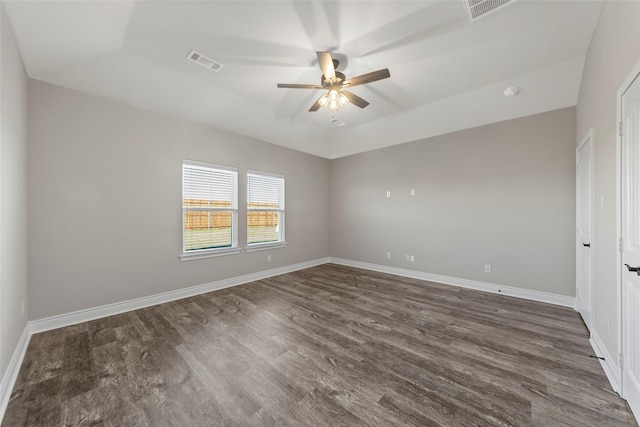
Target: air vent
205	61
478	8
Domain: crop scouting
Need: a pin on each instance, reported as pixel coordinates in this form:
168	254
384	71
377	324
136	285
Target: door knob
586	245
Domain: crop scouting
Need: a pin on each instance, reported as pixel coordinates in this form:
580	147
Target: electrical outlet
412	259
388	193
412	192
407	258
388	255
487	268
268	258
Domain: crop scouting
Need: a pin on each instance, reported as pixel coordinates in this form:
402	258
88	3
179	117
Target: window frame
211	252
260	246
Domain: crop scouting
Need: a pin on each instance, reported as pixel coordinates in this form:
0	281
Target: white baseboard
609	364
549	298
11	374
86	315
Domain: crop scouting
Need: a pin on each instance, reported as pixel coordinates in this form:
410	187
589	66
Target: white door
583	228
630	228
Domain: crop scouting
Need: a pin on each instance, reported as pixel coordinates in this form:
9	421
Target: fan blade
326	65
367	78
316	105
299	86
355	99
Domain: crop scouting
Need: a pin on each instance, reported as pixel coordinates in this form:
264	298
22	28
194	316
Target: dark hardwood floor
325	346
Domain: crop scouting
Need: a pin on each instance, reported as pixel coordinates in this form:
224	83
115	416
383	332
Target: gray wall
502	194
614	51
105	201
13	198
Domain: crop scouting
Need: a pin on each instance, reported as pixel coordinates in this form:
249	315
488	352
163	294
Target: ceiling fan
335	83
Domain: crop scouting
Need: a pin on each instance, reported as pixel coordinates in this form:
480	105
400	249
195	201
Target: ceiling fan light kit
333	100
334	83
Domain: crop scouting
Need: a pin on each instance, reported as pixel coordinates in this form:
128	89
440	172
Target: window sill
210	254
265	246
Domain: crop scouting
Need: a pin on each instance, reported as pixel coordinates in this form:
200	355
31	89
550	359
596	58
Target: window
265	210
209	210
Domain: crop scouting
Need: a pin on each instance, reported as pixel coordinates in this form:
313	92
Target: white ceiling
446	73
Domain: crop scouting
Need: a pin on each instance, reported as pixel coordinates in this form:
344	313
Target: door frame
631	77
587	138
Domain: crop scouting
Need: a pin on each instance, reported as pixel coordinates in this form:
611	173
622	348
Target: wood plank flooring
325	346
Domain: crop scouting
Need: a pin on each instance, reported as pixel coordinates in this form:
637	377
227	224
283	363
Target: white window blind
209	207
265	208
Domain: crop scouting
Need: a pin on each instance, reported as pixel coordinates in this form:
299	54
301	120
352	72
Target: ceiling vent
479	8
205	61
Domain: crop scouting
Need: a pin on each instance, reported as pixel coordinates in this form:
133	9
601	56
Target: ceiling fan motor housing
340	77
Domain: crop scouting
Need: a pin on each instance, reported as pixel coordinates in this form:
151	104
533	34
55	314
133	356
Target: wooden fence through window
205	220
